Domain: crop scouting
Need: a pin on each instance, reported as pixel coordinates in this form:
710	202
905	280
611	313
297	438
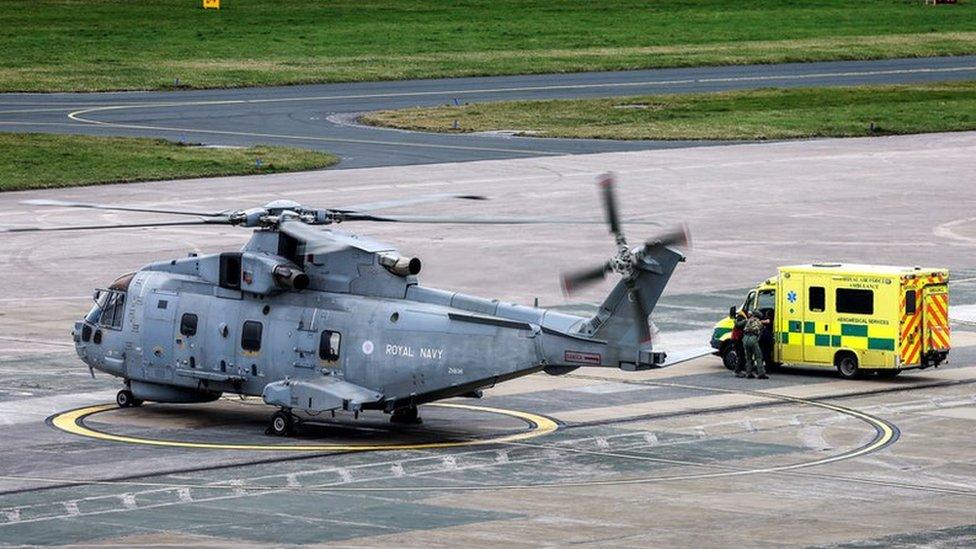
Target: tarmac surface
324	116
685	455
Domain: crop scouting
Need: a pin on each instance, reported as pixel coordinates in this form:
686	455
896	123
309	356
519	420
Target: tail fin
616	322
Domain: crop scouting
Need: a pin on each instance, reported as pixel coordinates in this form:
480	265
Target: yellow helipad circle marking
72	422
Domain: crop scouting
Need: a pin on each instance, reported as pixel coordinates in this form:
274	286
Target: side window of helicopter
188	324
329	345
113	311
251	336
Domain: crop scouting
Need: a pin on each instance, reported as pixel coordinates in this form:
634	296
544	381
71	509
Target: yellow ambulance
856	318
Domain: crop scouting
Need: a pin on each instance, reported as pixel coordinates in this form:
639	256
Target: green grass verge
40	161
755	114
75	45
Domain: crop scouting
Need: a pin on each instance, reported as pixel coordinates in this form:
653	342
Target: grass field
38	161
62	45
757	114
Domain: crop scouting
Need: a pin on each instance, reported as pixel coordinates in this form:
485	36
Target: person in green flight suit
750	340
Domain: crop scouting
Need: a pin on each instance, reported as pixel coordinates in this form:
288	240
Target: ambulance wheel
282	424
847	367
730	357
888	374
125	399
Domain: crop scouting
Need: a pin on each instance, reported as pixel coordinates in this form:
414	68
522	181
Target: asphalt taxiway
323	116
683	455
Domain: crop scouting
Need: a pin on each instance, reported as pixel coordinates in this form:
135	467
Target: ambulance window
858	302
188	324
910	302
817	299
329	345
251	336
767	300
750	301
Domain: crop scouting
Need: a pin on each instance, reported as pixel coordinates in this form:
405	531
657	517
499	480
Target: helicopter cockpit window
251	336
95	314
329	345
109	309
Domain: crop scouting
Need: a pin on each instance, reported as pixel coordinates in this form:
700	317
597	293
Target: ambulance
859	319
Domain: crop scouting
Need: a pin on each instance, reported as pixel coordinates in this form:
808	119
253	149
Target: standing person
767	339
736	337
750	340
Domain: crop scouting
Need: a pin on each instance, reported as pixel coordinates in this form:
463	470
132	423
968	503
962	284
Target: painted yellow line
72	422
885	435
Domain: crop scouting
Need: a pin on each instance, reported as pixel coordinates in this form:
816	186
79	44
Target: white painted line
77	115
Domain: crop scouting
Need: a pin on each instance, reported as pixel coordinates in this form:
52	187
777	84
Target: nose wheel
282	424
125	399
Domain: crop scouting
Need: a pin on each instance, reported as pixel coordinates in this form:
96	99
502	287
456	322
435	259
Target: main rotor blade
610	204
64	203
640	312
676	235
574	281
354	216
382	205
117	226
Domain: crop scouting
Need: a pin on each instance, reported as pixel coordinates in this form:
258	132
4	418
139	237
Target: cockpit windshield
109	309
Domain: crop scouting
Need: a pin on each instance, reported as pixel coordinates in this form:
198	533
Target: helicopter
313	319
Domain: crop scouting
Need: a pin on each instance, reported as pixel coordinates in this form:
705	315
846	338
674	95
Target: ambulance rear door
935	317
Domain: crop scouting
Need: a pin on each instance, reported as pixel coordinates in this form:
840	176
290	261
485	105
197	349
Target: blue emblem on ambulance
791	297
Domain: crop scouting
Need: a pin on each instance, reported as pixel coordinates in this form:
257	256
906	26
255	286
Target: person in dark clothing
740	350
767	339
755	368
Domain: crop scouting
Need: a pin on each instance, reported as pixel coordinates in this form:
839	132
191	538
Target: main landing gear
125	399
406	416
282	424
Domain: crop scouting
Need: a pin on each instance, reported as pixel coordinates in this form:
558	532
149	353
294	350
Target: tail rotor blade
574	281
610	204
677	235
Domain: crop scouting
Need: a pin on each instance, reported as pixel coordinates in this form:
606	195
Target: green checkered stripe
852	336
719	333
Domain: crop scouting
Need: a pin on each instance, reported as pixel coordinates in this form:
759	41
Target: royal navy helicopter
315	320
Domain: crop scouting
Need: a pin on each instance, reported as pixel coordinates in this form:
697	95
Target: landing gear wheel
730	357
282	424
847	367
125	399
888	374
406	416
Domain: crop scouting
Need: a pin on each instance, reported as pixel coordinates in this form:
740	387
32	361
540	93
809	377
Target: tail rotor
627	262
